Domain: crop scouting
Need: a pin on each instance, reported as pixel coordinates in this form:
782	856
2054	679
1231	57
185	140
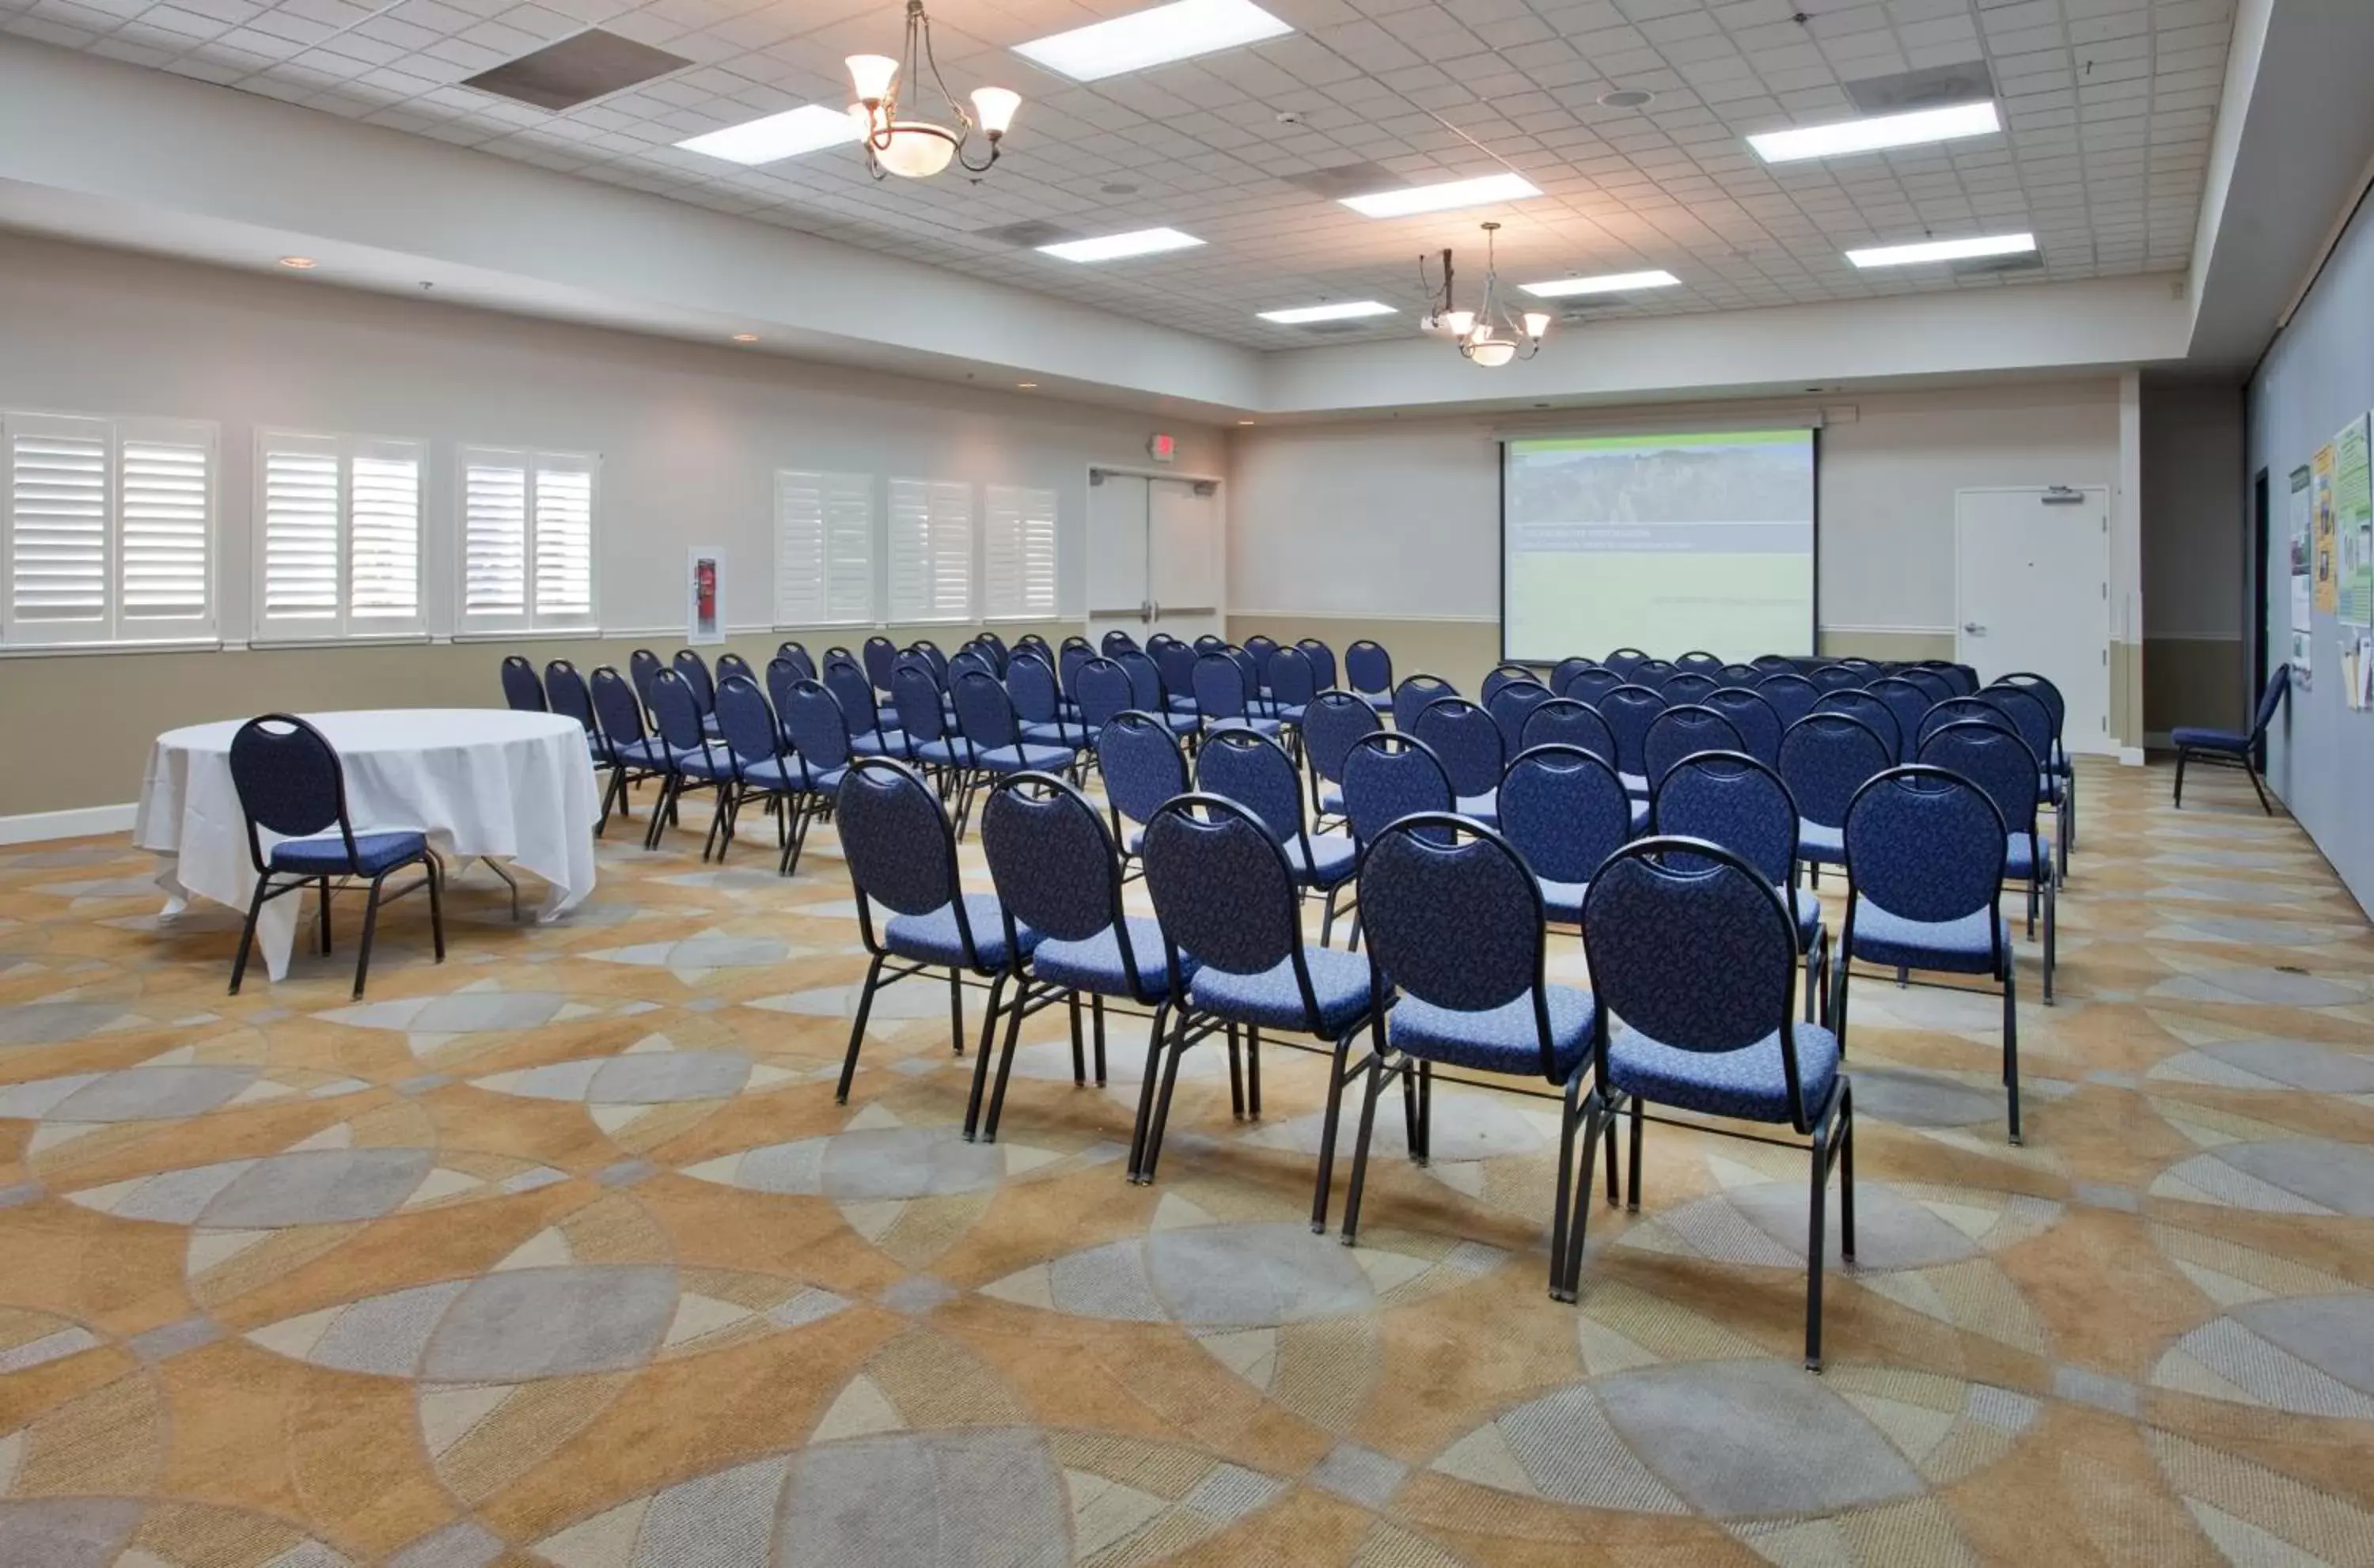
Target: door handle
1974	628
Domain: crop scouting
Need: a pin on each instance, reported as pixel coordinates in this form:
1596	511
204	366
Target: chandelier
1490	334
916	149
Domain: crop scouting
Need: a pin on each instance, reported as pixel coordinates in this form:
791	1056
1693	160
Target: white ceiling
2109	106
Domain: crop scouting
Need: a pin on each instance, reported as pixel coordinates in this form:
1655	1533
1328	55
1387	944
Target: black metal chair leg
1816	1245
2011	1047
1328	1125
370	926
1632	1183
1162	1106
2182	757
857	1029
321	915
1145	1089
2257	789
1004	1062
1253	1071
436	870
1236	1076
1563	1214
1360	1144
956	1010
1079	1045
1578	1224
1097	1032
1842	1136
247	933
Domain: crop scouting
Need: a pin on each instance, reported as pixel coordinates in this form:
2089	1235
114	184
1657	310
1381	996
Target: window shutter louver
824	549
108	529
527	540
1018	553
931	550
383	541
564	542
57	542
494	541
167	497
849	548
341	525
301	534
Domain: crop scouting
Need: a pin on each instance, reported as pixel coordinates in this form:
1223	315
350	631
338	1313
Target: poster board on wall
2303	524
2353	518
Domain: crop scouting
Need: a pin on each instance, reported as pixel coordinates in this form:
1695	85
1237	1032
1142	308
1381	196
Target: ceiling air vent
1347	180
1932	86
1991	266
1333	329
577	70
1031	233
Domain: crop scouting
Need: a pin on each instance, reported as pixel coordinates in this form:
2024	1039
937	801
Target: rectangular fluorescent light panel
1878	131
787	134
1343	312
1113	247
1612	283
1179	32
1944	251
1483	192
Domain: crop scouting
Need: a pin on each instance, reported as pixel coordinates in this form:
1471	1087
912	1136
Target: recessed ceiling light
1343	312
1025	386
1481	192
1944	251
1177	32
1625	98
1878	131
1609	283
746	337
1113	247
1244	421
787	134
299	264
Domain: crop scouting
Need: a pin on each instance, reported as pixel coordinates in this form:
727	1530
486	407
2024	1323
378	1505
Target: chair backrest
1075	654
1933	685
1224	894
1961	710
734	664
1693	947
1323	661
1624	661
802	665
1512	706
846	679
997	649
1683	732
1454	918
1415	694
1103	688
1752	716
2041	688
1563	721
1925	845
1501	675
641	665
2278	688
984	713
1054	863
1176	662
746	722
1825	758
1630	710
1652	674
1731	799
693	671
1116	641
881	658
1961	677
615	703
1858	703
915	697
1031	686
1032	642
1565	670
1145	684
1369	668
812	716
522	691
1143	767
1564	811
1774	664
1258	649
1389	775
1589	684
900	849
1220	687
289	781
1836	677
569	699
1332	723
1688	685
1738	675
1792	695
2028	716
1907	704
971	657
674	713
1997	762
1698	659
933	656
1466	740
1291	682
1254	771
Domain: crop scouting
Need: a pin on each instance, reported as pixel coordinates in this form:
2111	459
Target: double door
1154	556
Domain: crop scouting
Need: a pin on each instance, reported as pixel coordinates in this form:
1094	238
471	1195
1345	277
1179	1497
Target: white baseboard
2132	757
79	823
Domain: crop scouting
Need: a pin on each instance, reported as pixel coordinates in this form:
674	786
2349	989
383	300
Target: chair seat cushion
1050	733
1749	1082
1820	841
1094	965
1024	758
646	751
1258	725
1956	946
1501	1039
1333	859
1483	808
2202	739
1635	784
939	754
1562	900
934	938
879	742
1185	705
782	776
1331	800
1381	701
1640	816
1809	912
1339	980
1185	723
2019	858
711	763
326	855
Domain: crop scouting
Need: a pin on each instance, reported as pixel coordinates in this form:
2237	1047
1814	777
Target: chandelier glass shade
903	142
1490	333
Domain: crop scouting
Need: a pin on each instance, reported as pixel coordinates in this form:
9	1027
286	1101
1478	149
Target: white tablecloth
480	781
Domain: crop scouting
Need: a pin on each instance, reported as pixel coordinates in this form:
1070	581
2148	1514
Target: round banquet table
481	781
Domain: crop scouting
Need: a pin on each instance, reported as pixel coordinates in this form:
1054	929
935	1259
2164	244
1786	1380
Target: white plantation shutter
340	525
527	540
107	530
824	549
384	525
298	477
931	551
1018	553
494	540
563	543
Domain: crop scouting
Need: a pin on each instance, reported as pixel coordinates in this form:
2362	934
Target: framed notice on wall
704	570
2353	525
2328	586
2303	524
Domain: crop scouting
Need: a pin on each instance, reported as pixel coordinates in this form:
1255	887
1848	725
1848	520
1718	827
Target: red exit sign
1162	449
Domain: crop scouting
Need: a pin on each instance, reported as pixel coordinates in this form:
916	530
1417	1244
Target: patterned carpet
562	1254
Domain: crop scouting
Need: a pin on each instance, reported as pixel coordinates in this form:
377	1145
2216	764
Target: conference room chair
1837	677
1735	801
1038	705
1737	675
571	700
1258	649
1856	702
1292	684
901	854
1869	669
762	769
994	745
1925	851
634	755
994	645
1652	674
1223	696
1456	935
1501	675
1323	662
2041	688
1624	661
796	655
1103	691
1694	950
1115	641
291	784
1036	646
523	693
1059	876
1150	695
1688	686
696	759
1773	664
1255	772
1683	731
1991	758
693	671
932	655
2034	721
850	686
1228	904
1143	767
1754	718
1932	685
1961	677
1176	661
933	745
1565	812
1368	670
812	721
1825	758
1791	695
1332	722
1591	684
1069	660
1413	695
1512	706
1700	660
1630	710
1387	776
879	658
734	664
1466	739
1565	670
641	665
2232	748
1907	704
1962	710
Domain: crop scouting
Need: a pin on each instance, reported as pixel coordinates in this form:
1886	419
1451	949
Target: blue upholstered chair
1841	676
1565	812
1332	722
1291	684
290	784
572	699
811	720
1750	714
1961	677
1103	692
1688	687
1683	731
1693	949
1114	642
1933	685
1961	710
1567	721
2232	748
1142	764
634	755
1368	671
1149	691
922	709
2056	761
1466	740
1500	675
697	758
1387	776
1624	661
1630	710
523	693
796	654
1565	670
2030	716
1037	701
641	665
1774	664
1323	662
1414	695
1258	650
901	853
1255	772
1653	673
1907	704
1791	695
1176	660
1744	675
1825	758
1455	933
734	664
1512	706
699	683
1227	904
1857	702
763	770
1734	800
994	746
850	686
1223	697
1589	684
880	657
1991	758
1925	851
1698	660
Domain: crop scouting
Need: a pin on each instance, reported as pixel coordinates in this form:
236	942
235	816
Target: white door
2032	592
1118	596
1153	557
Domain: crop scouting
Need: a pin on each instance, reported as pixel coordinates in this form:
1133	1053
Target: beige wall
2195	535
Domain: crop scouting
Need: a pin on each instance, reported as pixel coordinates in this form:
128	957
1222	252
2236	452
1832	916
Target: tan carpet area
563	1253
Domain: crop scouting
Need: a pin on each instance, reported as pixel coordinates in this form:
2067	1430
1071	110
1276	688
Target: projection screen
1668	544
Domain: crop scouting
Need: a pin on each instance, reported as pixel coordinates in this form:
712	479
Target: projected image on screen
1663	543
